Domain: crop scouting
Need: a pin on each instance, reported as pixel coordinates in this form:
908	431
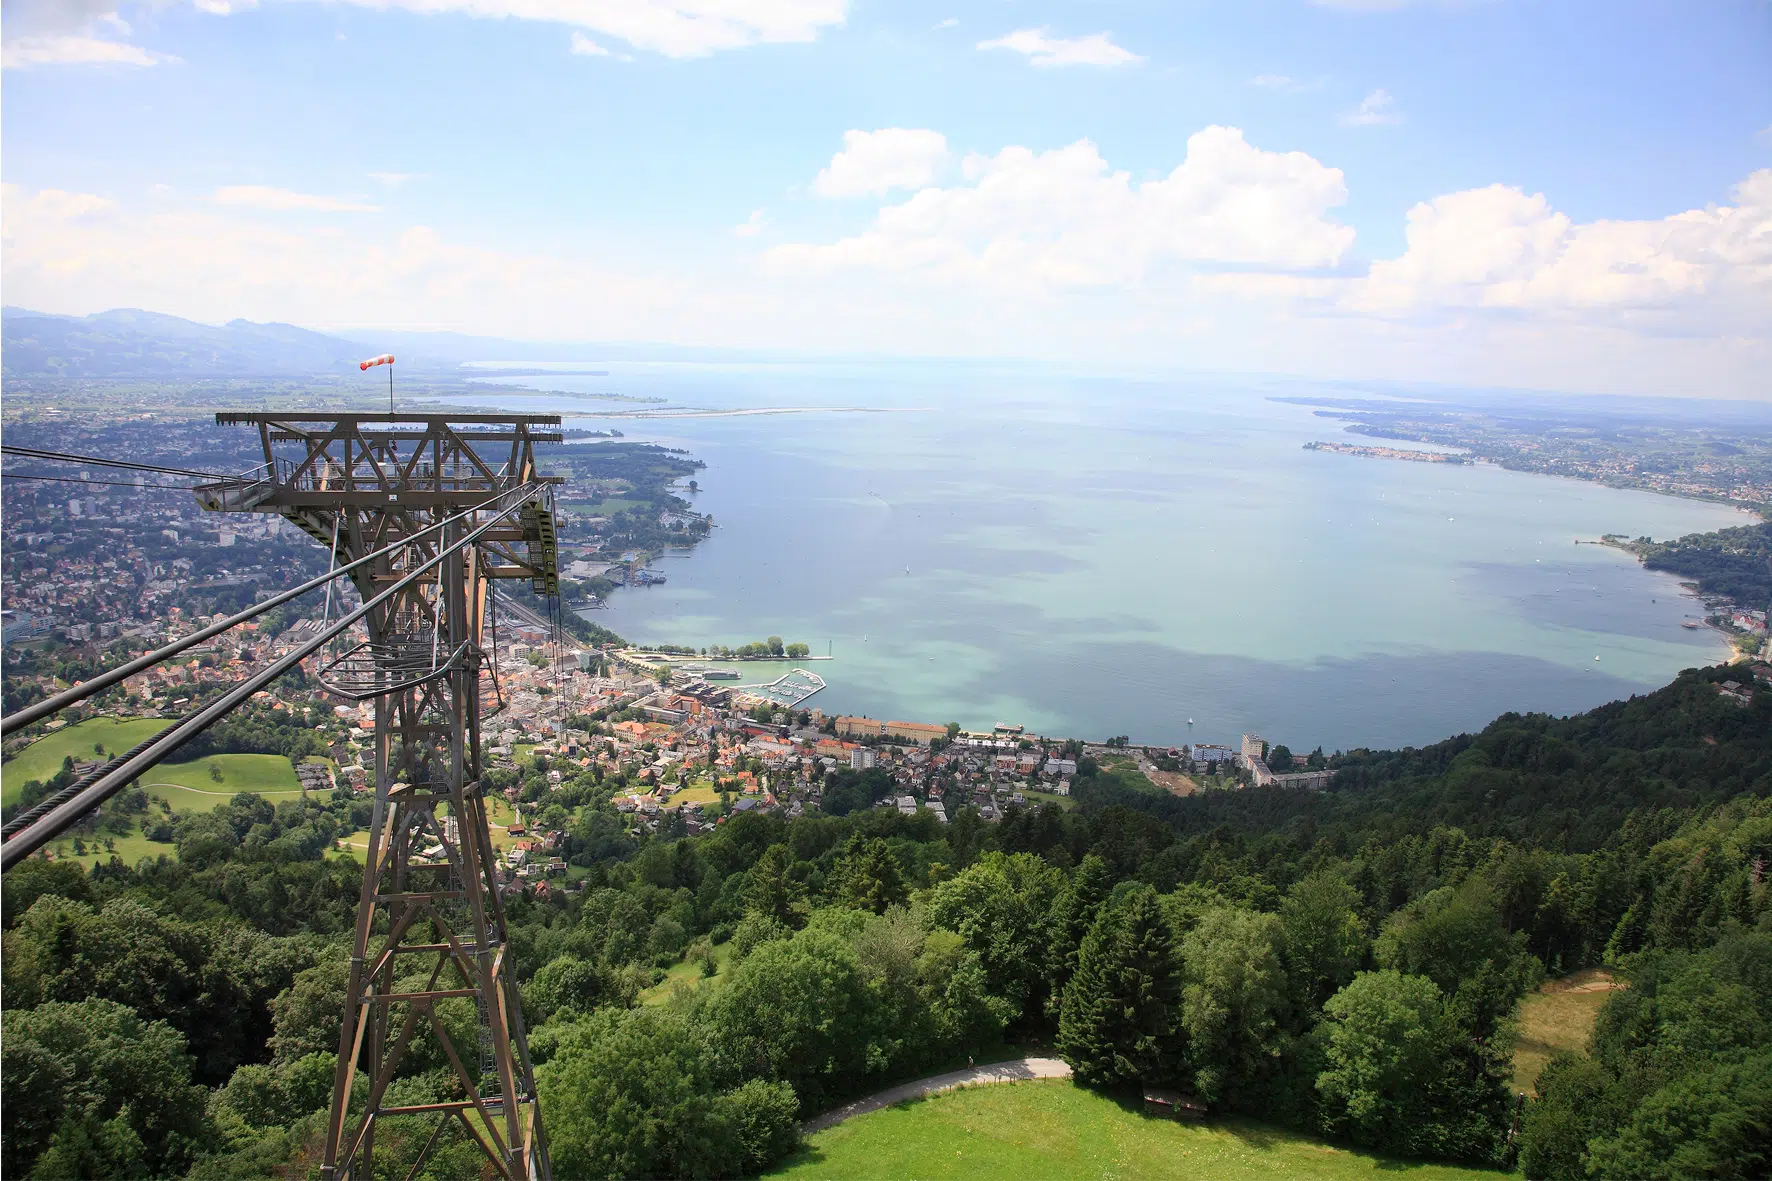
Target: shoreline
1690	590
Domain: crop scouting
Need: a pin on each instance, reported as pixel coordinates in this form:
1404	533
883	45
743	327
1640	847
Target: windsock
384	359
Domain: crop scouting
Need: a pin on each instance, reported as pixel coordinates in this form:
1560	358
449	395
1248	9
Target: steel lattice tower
430	939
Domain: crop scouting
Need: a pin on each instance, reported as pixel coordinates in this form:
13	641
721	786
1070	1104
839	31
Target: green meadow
1057	1131
43	757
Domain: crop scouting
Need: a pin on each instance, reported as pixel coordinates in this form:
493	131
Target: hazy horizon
1494	194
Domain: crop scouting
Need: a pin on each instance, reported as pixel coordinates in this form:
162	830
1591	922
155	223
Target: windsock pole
388	360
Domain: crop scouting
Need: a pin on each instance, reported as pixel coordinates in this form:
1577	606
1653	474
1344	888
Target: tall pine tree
867	876
1117	1021
1073	914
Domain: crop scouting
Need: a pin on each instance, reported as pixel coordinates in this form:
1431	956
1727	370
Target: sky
1572	196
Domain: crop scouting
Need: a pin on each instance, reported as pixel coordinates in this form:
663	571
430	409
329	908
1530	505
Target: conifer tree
1073	914
1117	1021
773	892
868	877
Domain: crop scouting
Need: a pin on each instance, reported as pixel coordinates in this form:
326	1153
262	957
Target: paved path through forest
1014	1071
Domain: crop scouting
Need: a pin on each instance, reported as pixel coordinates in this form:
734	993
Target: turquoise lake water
1091	557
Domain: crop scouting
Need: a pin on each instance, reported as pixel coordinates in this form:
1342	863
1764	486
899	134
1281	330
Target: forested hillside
1347	963
1733	562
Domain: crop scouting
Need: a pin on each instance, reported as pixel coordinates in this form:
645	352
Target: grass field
131	849
701	792
1050	797
499	815
688	975
190	787
186	786
1559	1016
609	506
1055	1130
43	758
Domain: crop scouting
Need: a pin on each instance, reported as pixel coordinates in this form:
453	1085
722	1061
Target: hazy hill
132	343
128	342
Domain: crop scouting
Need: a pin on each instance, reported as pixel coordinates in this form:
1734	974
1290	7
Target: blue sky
1472	191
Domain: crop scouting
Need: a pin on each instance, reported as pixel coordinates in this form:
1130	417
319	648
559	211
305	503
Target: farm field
1557	1017
1055	1130
43	758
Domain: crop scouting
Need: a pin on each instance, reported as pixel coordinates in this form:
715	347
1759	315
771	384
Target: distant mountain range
131	343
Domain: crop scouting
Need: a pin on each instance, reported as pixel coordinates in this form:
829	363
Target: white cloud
1061	219
875	162
56	205
752	226
65	33
585	47
1498	248
1042	49
949	23
990	278
674	28
1376	108
77	253
273	200
75	51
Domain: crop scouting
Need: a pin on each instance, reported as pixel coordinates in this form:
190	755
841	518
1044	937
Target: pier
789	689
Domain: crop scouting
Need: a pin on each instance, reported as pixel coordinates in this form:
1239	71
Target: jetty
789	689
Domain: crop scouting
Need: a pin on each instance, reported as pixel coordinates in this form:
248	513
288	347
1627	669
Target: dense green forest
1346	962
1734	562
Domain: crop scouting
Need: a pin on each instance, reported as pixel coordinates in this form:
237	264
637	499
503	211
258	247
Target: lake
1096	556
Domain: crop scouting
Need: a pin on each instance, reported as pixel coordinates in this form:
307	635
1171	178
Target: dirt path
1014	1071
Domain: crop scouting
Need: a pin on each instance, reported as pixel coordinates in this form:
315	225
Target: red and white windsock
384	359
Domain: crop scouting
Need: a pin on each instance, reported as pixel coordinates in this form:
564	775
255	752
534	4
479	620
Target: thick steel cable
66	457
120	772
40	709
49	803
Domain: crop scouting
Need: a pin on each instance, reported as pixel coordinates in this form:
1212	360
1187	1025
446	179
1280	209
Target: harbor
790	689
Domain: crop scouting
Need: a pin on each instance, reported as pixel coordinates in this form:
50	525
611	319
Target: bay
1093	556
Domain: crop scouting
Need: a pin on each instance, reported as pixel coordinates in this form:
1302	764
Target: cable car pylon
429	957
